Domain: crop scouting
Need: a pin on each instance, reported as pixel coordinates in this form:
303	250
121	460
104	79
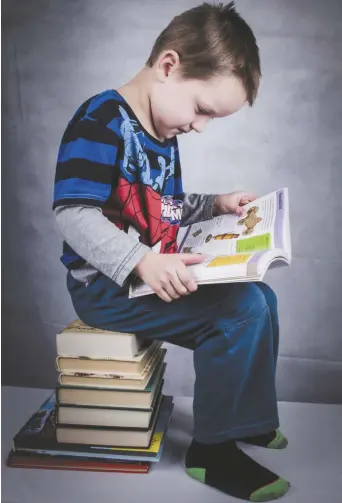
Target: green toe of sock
270	492
197	473
279	441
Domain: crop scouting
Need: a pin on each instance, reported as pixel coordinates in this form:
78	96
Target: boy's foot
273	440
226	467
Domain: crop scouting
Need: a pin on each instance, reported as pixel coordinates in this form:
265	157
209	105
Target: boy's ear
167	65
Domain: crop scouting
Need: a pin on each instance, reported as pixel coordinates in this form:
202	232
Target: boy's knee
250	301
270	295
257	302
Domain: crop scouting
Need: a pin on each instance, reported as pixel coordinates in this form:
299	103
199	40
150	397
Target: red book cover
19	460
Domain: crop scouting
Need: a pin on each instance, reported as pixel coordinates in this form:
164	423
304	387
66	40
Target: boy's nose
199	124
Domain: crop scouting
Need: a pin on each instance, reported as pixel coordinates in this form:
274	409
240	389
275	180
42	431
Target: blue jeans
233	331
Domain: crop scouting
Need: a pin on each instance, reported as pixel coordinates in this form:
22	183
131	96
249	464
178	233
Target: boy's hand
232	203
167	274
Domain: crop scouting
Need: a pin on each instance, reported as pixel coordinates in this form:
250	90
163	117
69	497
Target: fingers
187	281
168	292
171	291
252	197
163	294
167	275
247	198
240	211
176	285
191	258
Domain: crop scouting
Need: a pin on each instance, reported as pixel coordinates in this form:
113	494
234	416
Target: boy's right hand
167	275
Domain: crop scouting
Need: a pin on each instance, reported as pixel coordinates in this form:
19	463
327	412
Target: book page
238	247
260	228
222	266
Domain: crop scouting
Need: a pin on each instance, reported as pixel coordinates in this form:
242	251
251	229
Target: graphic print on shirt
136	159
167	171
155	216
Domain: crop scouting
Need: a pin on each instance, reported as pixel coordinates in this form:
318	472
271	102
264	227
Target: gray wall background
57	54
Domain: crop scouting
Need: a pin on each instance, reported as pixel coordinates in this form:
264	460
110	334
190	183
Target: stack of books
108	411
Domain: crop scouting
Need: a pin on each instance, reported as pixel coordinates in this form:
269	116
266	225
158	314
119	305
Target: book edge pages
157	376
120	377
145	433
78	327
149	353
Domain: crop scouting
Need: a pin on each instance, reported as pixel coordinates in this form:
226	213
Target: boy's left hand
232	203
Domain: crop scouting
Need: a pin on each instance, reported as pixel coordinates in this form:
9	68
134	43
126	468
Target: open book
239	248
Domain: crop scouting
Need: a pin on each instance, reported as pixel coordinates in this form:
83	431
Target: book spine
57	364
15	461
108	375
85	468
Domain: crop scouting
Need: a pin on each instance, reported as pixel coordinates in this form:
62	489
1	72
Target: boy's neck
137	94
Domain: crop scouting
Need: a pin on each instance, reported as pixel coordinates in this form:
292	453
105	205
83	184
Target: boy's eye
201	110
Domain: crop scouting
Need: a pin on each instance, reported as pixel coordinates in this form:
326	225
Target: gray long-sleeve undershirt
106	248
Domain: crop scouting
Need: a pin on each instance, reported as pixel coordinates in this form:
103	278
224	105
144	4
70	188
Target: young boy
118	174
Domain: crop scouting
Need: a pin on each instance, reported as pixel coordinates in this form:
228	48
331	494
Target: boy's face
179	105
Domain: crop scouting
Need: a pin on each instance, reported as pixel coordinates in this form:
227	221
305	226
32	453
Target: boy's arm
197	207
99	242
86	171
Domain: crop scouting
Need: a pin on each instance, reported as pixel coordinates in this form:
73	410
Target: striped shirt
108	160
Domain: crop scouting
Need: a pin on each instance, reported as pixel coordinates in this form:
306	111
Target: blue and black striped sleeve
86	161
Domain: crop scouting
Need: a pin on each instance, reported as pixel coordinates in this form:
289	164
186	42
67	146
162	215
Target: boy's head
204	65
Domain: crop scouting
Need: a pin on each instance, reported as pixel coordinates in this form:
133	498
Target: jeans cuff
238	432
